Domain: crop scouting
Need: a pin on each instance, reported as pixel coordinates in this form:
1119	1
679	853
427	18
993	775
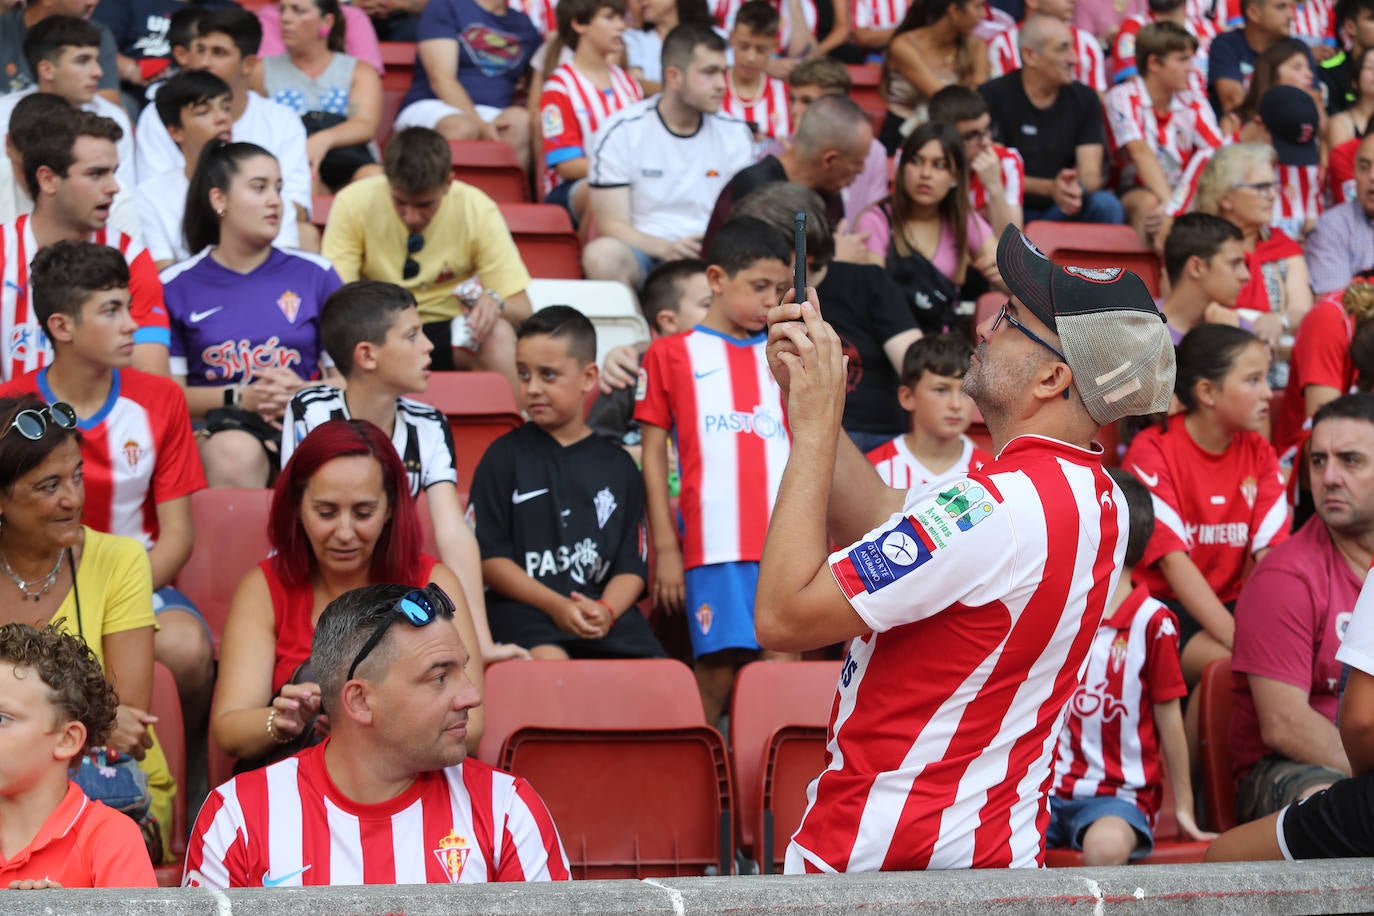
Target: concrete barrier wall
1246	889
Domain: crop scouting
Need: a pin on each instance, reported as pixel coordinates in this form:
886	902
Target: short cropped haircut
38	114
581	12
1139	510
69	669
663	288
65	274
956	103
186	90
682	42
185	23
363	310
47	37
758	17
744	241
832	122
242	27
939	354
1349	10
1358	406
1362	355
777	204
1196	234
826	74
345	625
565	323
1159	40
417	160
56	148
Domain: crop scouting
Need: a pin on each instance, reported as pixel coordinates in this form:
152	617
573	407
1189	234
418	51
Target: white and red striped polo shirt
1004	56
725	411
1313	20
25	344
137	451
902	470
983	598
571	111
767	110
288	825
877	14
1122	63
1109	746
724	12
1174	136
1013	180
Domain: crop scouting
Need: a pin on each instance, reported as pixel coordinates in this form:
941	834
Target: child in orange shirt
54	705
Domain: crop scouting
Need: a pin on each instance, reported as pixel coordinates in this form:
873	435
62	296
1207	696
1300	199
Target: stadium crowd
233	247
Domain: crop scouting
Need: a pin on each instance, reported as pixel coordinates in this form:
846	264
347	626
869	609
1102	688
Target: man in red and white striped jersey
388	798
1089	68
970	608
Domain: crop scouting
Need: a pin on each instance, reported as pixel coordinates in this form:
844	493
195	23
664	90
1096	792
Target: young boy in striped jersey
712	391
750	93
1125	721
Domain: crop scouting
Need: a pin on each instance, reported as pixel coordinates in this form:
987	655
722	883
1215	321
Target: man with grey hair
969	608
827	153
388	798
1058	126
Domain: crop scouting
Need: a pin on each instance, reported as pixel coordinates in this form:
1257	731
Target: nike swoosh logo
706	373
269	881
517	497
196	317
1150	480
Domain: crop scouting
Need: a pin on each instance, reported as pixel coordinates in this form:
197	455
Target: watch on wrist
231	396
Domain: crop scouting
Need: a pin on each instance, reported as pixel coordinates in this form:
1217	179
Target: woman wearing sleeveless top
932	48
338	97
1354	121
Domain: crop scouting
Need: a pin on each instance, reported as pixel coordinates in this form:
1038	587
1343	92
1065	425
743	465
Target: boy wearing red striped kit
710	389
1125	721
750	93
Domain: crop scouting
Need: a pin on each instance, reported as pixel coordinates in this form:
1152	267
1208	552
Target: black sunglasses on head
419	607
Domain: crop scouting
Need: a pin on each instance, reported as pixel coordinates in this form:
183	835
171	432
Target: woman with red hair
341	518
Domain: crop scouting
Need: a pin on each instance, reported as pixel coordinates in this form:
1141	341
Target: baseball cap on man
1114	338
1290	115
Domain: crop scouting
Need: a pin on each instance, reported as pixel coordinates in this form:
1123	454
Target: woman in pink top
360	39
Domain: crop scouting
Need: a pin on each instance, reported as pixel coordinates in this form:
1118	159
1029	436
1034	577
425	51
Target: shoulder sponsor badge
892	554
958	508
641	385
551	120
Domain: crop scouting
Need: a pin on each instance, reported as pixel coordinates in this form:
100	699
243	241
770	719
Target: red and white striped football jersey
1299	199
901	469
1313	20
877	14
288	825
137	451
571	111
767	110
1109	745
996	584
1218	509
1013	180
1122	63
1004	56
1174	137
725	411
25	344
543	13
724	12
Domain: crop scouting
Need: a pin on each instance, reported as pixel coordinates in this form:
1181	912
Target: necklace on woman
26	586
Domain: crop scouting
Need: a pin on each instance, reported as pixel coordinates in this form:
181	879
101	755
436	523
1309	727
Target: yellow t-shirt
116	586
366	240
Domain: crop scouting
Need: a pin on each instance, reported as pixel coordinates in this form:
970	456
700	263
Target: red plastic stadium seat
231	537
631	802
391	107
171	734
1214	726
546	239
491	166
865	91
771	697
398	57
480	407
587	694
1097	245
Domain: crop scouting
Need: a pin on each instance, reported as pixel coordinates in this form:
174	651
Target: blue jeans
1098	207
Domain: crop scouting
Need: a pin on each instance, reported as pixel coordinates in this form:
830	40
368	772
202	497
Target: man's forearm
1040	187
504	577
1307	736
651	245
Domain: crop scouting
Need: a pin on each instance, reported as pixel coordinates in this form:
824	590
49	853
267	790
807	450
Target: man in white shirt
63	54
226	44
659	165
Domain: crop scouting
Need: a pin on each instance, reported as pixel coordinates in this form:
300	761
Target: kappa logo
453	852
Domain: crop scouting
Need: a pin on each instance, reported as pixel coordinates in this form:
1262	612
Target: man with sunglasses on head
443	240
389	797
969	608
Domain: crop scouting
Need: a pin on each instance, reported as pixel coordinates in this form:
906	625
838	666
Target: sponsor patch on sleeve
551	119
880	562
641	385
958	508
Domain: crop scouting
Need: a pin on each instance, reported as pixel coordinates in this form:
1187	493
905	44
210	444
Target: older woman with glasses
95	586
341	518
244	315
1240	185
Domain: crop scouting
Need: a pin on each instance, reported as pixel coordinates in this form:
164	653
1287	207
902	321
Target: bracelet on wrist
272	732
610	610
